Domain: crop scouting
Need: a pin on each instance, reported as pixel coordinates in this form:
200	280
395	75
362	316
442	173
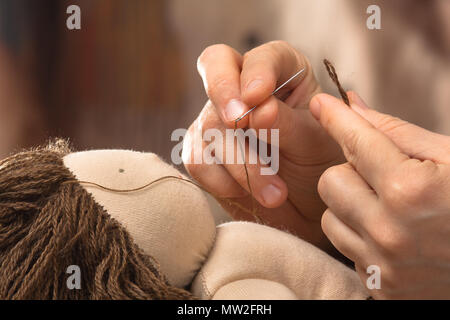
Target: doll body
173	222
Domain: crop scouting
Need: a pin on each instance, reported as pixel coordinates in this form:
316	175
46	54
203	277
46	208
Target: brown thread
333	75
48	222
230	202
253	210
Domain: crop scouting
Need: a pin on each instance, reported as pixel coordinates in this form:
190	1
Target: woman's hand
390	204
234	84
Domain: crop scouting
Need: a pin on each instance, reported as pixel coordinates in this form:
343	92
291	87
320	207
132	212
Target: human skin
389	205
234	83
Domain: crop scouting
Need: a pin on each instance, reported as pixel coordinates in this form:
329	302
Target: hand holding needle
273	93
254	209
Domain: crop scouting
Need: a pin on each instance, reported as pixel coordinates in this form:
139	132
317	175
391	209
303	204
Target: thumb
415	141
300	135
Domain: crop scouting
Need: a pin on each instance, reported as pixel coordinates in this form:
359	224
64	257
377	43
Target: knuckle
284	47
351	144
389	124
410	187
211	52
325	222
280	43
218	85
275	48
208	118
263	53
207	121
418	191
395	191
391	240
326	178
248	55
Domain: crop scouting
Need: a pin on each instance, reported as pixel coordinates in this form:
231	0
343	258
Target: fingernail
356	99
314	106
234	110
254	84
357	104
271	194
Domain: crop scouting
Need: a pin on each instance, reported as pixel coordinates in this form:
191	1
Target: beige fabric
254	289
170	220
246	250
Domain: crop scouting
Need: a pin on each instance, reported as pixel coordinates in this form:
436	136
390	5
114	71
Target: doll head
48	221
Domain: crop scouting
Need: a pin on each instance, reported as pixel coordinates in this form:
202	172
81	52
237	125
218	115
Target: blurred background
128	78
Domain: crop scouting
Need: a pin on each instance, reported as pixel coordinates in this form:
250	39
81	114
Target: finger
220	68
299	134
269	190
270	65
416	142
343	238
213	177
374	155
216	180
348	196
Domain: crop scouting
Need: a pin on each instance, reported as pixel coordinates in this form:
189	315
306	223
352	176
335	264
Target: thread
253	211
333	75
162	179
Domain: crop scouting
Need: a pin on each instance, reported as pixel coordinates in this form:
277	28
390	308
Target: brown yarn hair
48	222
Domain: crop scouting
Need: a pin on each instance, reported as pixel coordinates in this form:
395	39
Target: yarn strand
333	75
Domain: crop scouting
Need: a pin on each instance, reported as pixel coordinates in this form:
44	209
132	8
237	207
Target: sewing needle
273	93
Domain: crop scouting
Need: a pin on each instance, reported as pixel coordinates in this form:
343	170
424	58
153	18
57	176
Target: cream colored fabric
254	289
170	220
246	250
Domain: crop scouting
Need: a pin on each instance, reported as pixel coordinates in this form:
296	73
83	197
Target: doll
60	209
